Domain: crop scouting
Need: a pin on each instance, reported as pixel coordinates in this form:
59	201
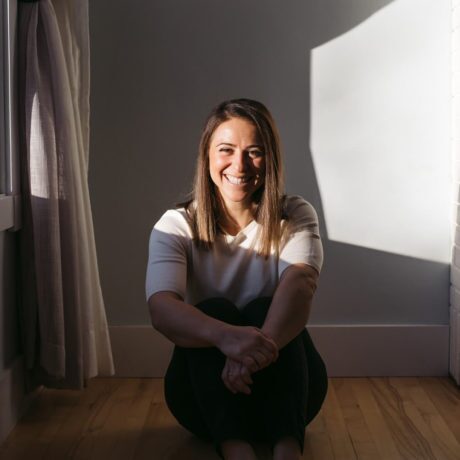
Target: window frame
9	195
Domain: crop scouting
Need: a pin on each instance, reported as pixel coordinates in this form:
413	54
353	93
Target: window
9	161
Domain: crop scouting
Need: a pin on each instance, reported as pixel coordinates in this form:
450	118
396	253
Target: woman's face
236	161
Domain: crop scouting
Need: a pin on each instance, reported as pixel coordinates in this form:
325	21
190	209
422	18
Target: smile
237	180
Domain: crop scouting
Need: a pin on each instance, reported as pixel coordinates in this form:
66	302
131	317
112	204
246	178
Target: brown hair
203	204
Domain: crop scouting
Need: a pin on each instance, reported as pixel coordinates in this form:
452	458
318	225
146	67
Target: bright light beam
380	135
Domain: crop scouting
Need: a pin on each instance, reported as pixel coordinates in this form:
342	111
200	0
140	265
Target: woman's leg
195	407
289	393
195	392
180	397
317	381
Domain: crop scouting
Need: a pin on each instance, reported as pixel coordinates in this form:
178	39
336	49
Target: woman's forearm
290	308
182	323
187	326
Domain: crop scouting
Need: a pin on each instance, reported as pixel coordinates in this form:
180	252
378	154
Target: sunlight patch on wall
380	134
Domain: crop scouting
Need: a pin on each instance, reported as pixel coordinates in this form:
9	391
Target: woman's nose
239	161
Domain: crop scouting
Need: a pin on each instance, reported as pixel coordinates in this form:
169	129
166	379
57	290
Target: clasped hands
248	350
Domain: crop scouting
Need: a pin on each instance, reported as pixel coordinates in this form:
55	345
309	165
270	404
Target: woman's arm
187	326
286	317
183	324
290	308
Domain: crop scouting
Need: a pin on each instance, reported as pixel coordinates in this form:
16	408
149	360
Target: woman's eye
225	150
255	153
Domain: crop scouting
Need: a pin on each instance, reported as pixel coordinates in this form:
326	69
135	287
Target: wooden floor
362	418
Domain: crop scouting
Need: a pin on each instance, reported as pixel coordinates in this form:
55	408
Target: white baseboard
454	361
347	350
13	399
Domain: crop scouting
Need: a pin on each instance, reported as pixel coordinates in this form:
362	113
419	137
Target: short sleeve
301	241
167	261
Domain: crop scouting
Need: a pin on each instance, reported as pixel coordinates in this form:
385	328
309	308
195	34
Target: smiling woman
236	164
251	150
230	279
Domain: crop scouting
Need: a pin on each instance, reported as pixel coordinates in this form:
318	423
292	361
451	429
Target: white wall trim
13	400
348	350
454	358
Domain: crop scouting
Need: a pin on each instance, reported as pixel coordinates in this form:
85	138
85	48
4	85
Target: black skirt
285	396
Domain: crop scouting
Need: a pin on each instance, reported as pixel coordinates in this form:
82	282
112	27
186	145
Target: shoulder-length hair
203	206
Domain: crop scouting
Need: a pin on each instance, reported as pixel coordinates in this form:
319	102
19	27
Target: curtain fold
64	326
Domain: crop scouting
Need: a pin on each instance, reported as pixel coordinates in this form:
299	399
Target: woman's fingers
225	377
271	347
268	346
237	385
261	359
245	375
247	350
258	360
240	341
250	363
236	377
266	353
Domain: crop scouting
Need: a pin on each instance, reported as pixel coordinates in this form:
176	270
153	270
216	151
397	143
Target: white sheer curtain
65	332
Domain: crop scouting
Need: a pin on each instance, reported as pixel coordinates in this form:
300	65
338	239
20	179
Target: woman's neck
236	216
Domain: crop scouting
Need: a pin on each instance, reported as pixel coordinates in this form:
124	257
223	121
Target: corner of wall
13	399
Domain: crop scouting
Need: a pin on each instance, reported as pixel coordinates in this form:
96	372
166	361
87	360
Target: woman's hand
249	346
236	377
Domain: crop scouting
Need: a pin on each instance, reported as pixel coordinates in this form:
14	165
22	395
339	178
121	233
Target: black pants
285	396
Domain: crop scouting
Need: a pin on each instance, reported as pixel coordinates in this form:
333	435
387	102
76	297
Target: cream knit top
232	268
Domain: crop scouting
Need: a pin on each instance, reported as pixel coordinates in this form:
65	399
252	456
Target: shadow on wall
168	63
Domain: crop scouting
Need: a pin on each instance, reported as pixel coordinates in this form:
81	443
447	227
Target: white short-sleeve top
232	268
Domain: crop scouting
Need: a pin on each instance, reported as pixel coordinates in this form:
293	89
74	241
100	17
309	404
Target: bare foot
287	448
236	449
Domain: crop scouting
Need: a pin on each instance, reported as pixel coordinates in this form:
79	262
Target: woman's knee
222	309
252	314
256	311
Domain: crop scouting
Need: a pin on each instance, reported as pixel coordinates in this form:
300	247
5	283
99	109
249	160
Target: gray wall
9	333
157	69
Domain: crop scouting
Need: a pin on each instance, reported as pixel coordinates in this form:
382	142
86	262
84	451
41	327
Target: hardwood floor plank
161	434
360	435
116	426
361	418
341	442
428	420
31	434
408	430
16	444
318	444
445	395
79	416
375	420
24	437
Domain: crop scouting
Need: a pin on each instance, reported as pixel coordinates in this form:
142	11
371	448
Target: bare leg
236	449
287	448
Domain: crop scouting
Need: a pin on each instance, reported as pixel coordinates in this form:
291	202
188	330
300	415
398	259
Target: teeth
237	180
